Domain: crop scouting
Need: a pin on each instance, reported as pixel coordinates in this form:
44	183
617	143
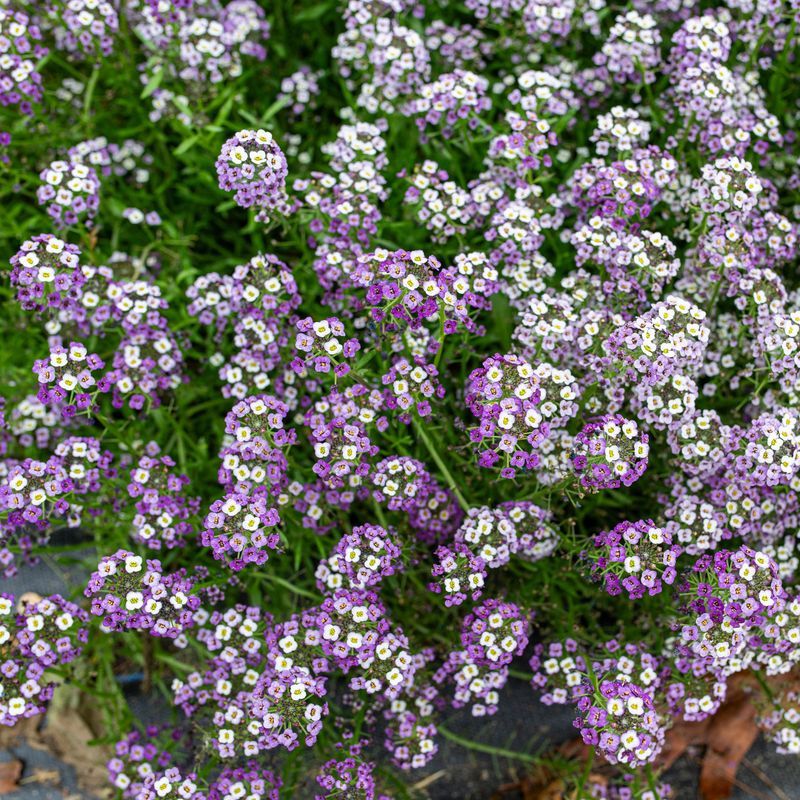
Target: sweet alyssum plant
372	351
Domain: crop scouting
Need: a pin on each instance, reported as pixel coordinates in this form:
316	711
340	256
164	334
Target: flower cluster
453	99
504	394
66	380
131	594
163	510
494	632
609	452
71	191
253	166
362	558
636	557
730	594
241	529
322	347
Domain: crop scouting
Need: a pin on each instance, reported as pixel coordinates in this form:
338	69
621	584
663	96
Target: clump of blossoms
782	724
253	166
452	100
410	735
34	493
494	632
342	451
536	537
459	573
284	709
20	49
490	533
727	596
728	186
322	347
400	482
258	422
89	28
24	692
609	452
403	287
148	364
131	594
621	130
694	689
559	672
504	394
411	386
699	440
671	336
46	272
163	509
382	61
71	191
241	529
637	557
438	201
635	263
768	452
367	555
51	630
348	774
620	719
248	781
631	51
66	380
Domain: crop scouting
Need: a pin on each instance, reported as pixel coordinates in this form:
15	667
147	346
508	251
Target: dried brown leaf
10	773
731	733
72	723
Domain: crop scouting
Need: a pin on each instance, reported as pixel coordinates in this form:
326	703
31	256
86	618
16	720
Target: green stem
585	774
440	463
87	98
487	748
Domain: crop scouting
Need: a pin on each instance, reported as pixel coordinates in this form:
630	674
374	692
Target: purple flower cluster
347	774
71	191
731	592
89	27
323	348
36	636
241	529
610	452
361	559
636	557
253	166
412	385
494	632
452	100
131	594
20	50
163	510
620	719
504	394
46	271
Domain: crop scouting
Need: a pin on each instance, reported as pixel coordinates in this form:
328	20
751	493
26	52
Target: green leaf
152	84
315	12
186	144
